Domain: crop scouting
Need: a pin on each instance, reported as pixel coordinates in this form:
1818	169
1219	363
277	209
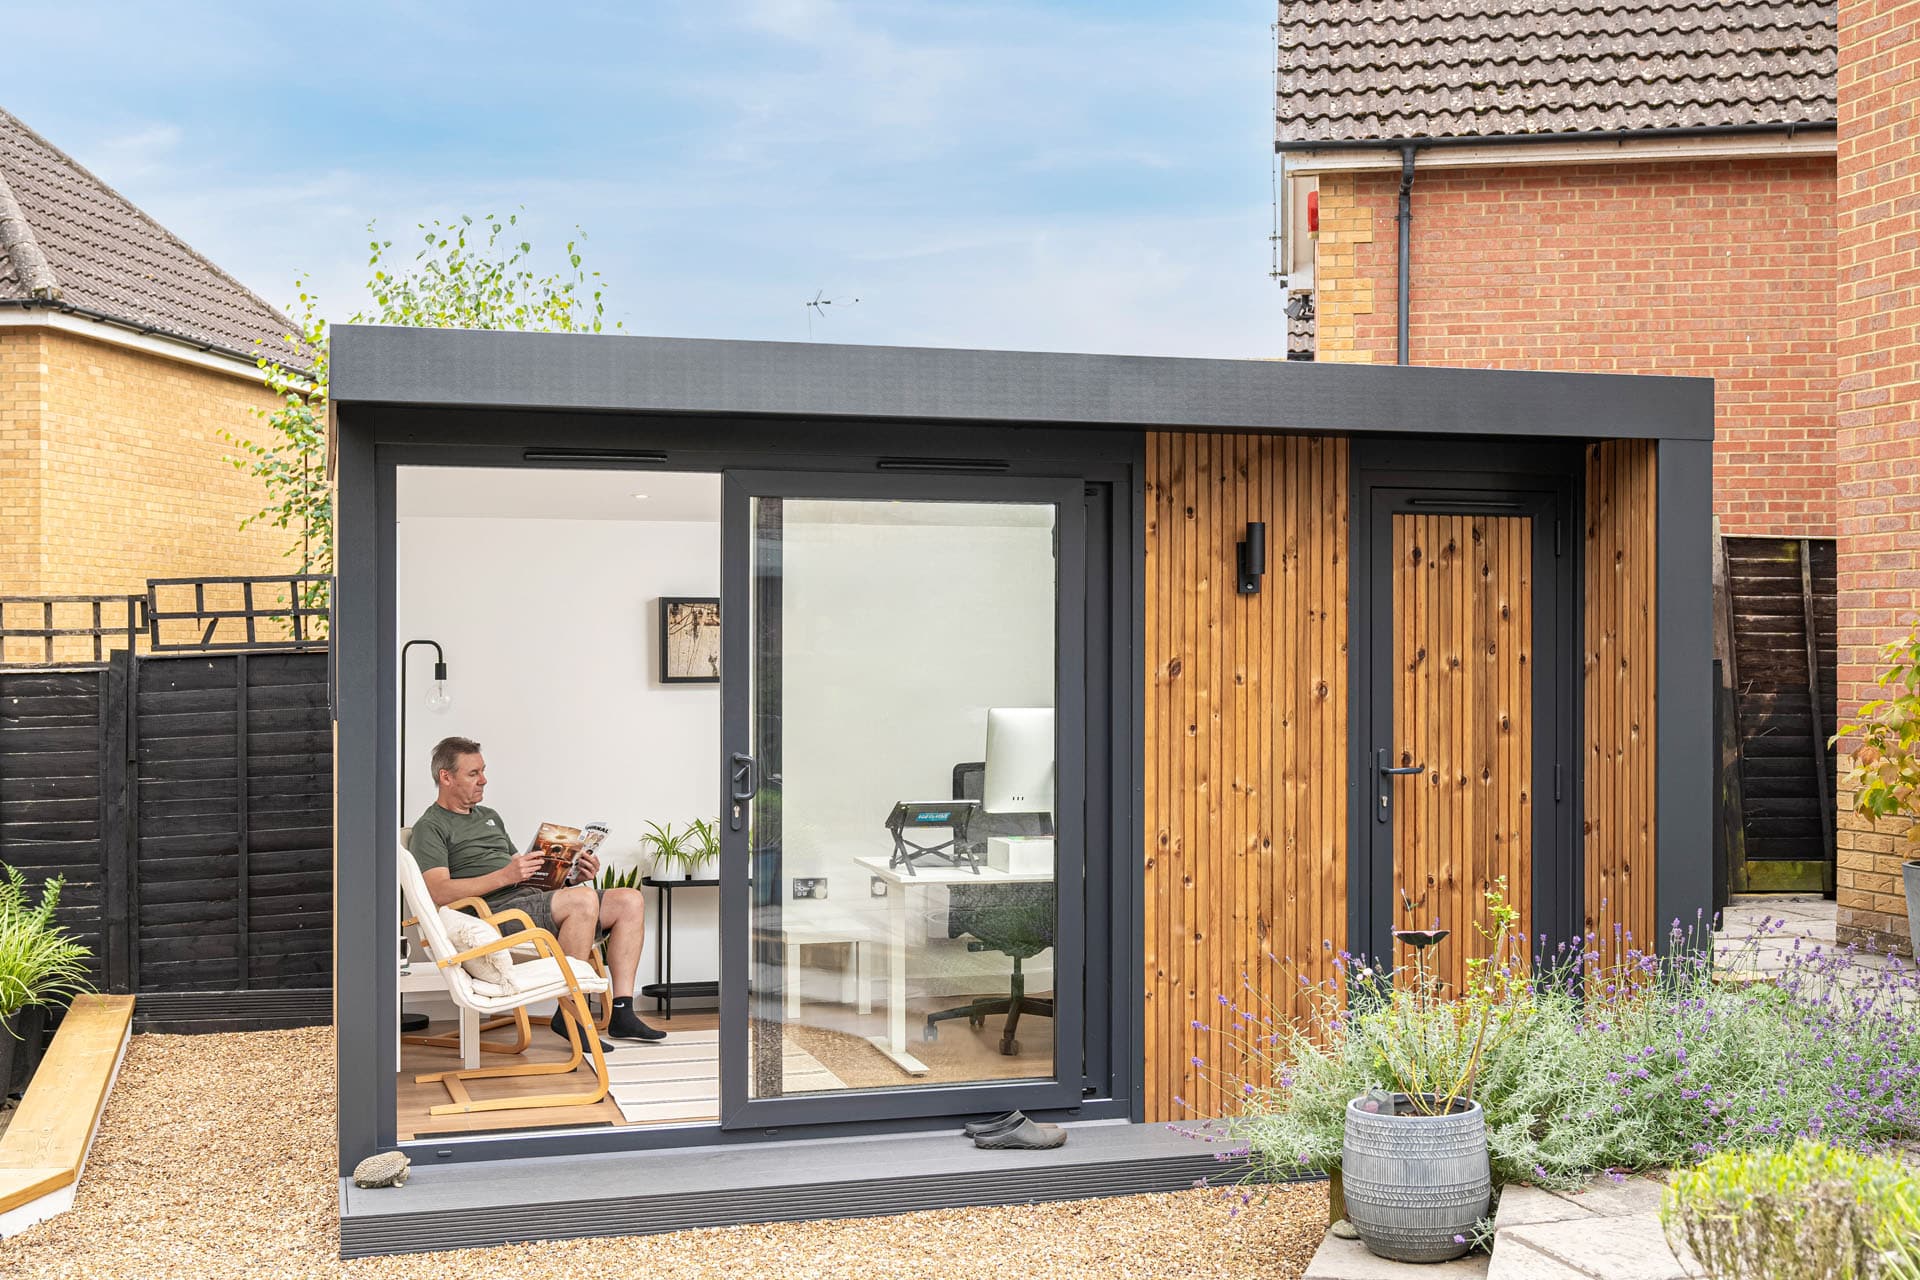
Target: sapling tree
466	275
1886	756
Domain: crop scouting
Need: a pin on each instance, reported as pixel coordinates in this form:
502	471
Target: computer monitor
1019	775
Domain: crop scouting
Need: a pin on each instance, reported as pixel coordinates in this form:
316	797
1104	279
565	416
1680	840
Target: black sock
627	1025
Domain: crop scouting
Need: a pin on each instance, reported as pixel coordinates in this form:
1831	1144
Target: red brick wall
1878	438
1722	269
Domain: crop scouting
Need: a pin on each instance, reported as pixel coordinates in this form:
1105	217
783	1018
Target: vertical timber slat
1245	788
1620	667
243	949
118	924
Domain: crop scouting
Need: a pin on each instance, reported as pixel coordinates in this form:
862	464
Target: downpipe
1405	220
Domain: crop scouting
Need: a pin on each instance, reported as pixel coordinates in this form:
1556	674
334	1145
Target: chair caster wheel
976	1023
1009	1048
930	1032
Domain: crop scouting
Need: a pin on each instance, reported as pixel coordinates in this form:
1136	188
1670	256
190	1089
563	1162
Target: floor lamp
437	702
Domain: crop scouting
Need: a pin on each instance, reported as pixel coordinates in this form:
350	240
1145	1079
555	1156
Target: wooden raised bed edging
45	1147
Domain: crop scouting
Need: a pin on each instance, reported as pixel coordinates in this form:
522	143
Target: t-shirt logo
489	821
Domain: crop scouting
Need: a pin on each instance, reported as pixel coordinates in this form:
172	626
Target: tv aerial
818	306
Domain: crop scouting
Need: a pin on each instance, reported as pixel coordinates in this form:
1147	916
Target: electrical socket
876	887
809	887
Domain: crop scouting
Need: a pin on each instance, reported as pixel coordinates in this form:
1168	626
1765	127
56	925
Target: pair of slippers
1014	1132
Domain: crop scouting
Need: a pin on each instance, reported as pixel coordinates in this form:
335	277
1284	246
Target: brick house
1878	442
1641	186
123	353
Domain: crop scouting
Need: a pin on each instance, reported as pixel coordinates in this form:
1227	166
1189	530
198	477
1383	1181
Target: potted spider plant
703	846
39	966
669	849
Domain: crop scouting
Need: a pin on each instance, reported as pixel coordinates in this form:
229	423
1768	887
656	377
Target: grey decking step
447	1206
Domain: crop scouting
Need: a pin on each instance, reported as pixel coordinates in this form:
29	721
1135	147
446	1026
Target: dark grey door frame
744	940
374	440
1504	478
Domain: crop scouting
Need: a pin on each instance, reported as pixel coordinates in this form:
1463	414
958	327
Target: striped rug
677	1080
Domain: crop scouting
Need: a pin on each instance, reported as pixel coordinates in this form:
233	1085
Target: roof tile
105	255
1352	71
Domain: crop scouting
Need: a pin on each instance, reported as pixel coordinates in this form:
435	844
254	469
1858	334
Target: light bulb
439	700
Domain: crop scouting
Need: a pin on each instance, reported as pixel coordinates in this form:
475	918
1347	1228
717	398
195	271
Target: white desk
899	880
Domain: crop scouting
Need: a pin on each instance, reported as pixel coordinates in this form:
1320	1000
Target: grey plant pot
1910	874
1415	1182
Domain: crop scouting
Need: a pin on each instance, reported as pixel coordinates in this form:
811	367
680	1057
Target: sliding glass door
903	846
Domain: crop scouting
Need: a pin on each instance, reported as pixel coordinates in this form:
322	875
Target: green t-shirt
466	844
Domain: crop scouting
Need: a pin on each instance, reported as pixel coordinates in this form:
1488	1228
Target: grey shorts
538	904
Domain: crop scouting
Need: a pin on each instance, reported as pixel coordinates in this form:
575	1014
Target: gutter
1571	135
140	327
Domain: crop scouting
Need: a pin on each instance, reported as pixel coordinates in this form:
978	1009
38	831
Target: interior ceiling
543	493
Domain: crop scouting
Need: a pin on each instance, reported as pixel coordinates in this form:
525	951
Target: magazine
560	848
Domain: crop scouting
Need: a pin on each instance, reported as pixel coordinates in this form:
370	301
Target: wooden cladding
1463	636
1618	730
1246	745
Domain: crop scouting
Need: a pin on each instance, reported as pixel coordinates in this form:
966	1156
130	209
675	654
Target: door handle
746	785
1384	774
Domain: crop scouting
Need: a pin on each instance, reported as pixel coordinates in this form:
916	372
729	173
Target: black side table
663	988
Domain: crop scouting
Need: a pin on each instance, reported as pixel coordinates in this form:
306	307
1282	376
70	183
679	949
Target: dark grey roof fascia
466	369
1285	145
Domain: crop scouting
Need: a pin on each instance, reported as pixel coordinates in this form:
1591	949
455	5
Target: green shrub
1810	1212
1647	1063
39	964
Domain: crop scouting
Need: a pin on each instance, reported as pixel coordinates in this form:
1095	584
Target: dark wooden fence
187	800
1781	606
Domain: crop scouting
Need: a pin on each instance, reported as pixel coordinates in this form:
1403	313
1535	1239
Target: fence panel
233	868
52	799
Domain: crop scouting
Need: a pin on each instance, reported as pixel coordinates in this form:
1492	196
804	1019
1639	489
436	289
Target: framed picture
689	640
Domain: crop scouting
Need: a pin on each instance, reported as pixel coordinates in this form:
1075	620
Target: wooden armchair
470	1038
551	974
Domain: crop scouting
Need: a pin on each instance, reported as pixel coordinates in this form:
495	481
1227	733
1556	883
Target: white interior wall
550	629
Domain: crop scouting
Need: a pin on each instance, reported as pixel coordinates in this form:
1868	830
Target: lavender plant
1636	1063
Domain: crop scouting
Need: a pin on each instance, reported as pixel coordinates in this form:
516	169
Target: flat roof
596	373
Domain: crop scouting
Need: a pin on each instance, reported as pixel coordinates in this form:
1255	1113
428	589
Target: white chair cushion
538	979
467	932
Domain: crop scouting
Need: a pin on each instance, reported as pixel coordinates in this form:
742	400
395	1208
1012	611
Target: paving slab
1623	1248
1349	1260
1524	1206
1515	1259
1604	1197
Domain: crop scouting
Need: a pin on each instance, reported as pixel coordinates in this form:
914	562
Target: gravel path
216	1160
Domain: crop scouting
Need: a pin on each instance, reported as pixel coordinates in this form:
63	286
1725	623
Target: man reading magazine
464	851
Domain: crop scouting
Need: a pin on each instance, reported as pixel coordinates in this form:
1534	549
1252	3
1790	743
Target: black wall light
1251	558
437	702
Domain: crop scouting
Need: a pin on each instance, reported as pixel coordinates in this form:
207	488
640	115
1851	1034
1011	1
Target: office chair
1015	919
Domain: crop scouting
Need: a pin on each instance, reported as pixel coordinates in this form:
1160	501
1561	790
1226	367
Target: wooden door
1462	628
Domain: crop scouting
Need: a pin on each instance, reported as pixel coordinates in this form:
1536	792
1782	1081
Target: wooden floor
831	1033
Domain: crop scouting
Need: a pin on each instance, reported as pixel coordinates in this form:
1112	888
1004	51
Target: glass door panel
900	812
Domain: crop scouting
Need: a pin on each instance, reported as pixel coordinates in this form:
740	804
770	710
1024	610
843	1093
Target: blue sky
1090	177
